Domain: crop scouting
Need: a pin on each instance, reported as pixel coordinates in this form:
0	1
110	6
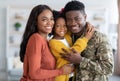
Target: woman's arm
34	59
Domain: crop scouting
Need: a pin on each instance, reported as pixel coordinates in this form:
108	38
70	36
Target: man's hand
73	56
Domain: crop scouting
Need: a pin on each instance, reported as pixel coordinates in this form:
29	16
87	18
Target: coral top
39	63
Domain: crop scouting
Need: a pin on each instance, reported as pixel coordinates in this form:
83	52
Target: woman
38	62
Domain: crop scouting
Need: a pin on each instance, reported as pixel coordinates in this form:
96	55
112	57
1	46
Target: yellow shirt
56	48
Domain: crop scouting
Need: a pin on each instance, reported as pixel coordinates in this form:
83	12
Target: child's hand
89	31
67	69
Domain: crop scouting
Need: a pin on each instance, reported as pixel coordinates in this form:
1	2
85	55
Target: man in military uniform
95	63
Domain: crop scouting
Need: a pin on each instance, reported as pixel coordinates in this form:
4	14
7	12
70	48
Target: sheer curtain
117	69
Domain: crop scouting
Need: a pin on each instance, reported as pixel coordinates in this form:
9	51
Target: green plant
17	25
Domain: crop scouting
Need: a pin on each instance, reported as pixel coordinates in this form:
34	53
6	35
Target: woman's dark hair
31	27
74	5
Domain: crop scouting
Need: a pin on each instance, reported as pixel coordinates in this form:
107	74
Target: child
60	41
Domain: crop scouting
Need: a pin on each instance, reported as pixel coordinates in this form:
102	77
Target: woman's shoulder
36	36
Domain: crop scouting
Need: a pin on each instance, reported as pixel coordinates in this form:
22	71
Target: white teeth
48	27
74	27
62	32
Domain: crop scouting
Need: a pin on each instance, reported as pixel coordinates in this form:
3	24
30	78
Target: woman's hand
67	69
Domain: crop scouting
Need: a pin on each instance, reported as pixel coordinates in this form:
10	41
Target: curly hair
57	15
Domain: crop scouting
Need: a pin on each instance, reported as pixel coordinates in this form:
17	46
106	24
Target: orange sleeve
34	59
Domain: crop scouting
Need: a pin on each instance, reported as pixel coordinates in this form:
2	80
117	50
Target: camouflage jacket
97	60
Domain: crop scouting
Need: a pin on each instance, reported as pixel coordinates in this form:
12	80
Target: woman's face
60	28
45	22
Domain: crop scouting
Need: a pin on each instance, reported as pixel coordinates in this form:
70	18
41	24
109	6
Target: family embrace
76	52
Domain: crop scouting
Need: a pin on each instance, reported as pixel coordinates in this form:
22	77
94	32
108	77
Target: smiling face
45	22
75	21
60	28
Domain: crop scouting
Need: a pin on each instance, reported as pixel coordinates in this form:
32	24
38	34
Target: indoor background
103	14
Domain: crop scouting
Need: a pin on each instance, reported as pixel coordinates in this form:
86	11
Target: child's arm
81	43
89	31
56	47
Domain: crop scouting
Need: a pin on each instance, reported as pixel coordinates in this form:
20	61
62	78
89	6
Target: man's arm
104	63
104	59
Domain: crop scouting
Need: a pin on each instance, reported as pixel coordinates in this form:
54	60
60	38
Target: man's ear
85	16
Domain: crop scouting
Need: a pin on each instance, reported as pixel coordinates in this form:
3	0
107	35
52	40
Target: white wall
111	5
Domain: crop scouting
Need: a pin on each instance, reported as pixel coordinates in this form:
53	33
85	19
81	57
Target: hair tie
62	9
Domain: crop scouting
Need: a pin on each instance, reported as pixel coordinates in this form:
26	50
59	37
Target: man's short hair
74	5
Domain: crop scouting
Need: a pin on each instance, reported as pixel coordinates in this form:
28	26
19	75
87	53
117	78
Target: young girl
60	41
38	62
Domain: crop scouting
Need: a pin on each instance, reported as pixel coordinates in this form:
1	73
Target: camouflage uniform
97	60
